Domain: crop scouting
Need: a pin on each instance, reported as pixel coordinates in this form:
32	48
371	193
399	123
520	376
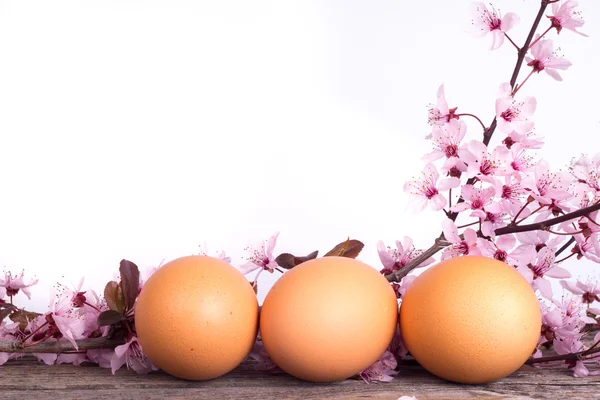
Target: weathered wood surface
29	379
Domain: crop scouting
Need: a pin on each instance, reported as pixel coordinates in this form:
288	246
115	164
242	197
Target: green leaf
114	297
23	317
289	261
110	317
130	282
350	248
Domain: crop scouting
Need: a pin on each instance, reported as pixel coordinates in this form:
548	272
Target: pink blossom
441	115
483	165
132	356
511	194
514	115
67	320
491	21
261	257
459	247
220	255
502	249
401	288
426	191
528	140
548	187
546	59
381	370
589	292
566	15
476	200
12	284
587	172
543	267
395	259
521	162
447	140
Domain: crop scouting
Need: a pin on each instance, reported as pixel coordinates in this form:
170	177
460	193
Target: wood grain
30	379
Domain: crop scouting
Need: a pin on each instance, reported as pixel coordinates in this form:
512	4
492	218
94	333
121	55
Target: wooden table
29	379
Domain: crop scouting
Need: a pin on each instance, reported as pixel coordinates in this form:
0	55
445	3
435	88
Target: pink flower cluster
491	189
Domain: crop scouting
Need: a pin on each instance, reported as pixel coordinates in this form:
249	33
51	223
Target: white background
140	129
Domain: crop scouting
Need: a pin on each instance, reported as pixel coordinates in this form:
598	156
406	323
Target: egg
470	319
328	319
197	318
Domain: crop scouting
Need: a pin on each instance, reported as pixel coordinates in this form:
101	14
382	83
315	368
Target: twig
16	346
548	223
439	244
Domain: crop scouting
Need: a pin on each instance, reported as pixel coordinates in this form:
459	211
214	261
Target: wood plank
29	379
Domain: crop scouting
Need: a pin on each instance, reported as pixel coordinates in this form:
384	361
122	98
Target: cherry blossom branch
563	357
543	225
16	346
439	244
474	116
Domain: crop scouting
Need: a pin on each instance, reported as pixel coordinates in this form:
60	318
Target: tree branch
438	245
16	346
548	223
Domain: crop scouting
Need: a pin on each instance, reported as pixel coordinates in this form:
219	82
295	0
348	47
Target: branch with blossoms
496	198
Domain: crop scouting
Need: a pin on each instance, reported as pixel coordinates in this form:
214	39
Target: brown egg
328	319
470	319
197	317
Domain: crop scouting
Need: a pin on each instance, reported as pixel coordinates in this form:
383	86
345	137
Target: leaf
114	296
289	261
350	248
110	317
130	282
254	285
6	311
23	317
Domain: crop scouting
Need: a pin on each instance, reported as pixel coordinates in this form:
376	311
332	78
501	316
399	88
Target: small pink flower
441	115
220	255
426	191
65	318
548	187
542	268
483	165
491	21
459	247
566	15
395	259
589	292
587	171
381	370
261	257
514	115
476	200
446	140
132	356
546	59
527	140
501	249
12	284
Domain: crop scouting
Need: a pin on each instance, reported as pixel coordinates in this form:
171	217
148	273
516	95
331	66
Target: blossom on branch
426	191
566	15
491	21
395	259
261	257
514	115
459	246
546	59
12	284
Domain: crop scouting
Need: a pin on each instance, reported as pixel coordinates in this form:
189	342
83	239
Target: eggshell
470	319
197	317
328	319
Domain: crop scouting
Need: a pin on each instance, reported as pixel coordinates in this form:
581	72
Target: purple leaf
350	248
114	296
289	261
110	317
130	282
